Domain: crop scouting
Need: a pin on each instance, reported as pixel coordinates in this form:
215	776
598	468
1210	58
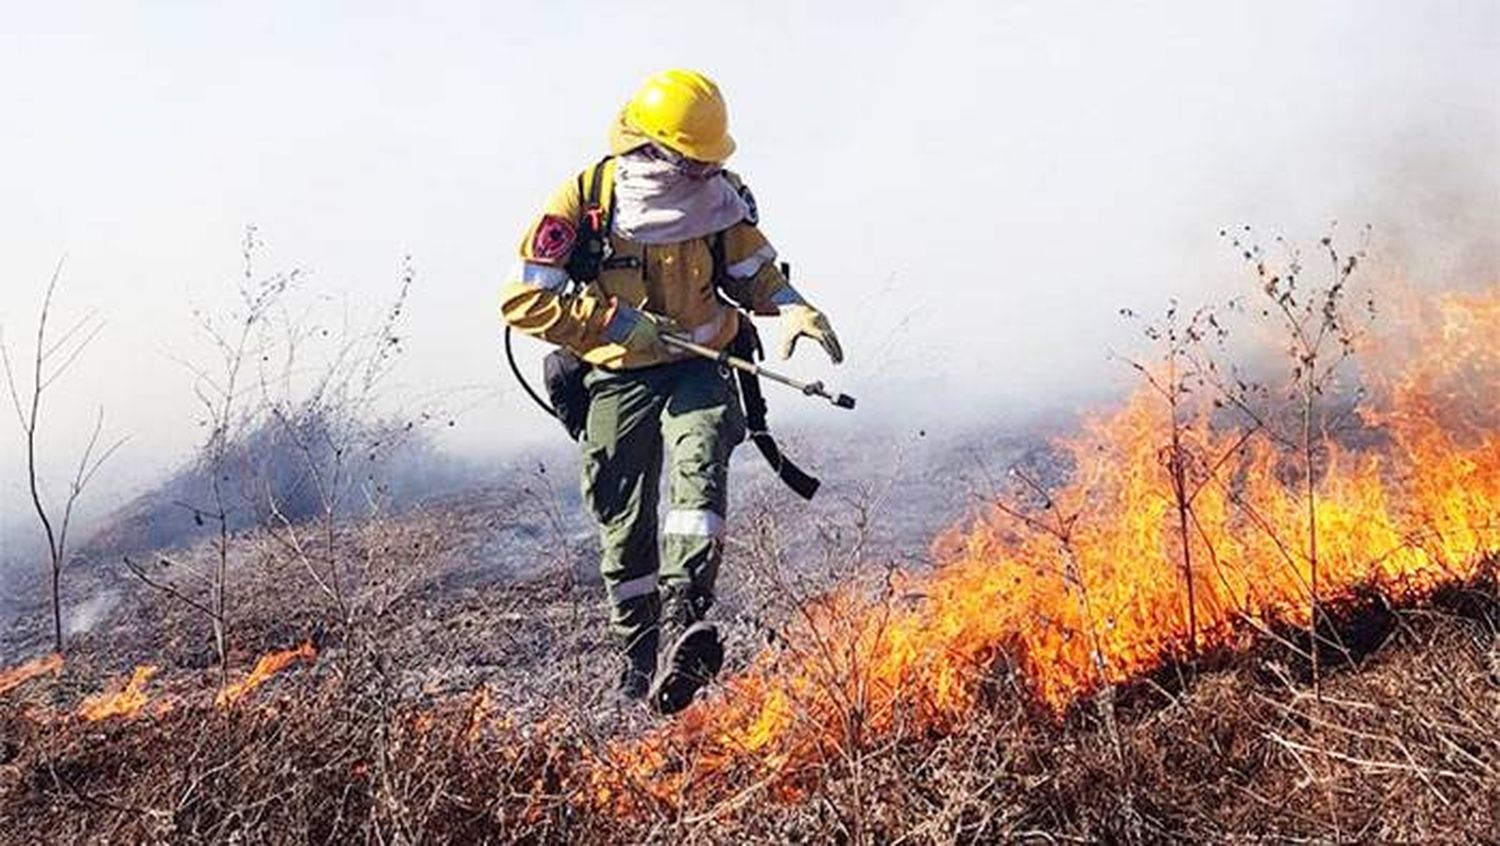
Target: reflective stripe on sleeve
635	588
543	276
695	522
787	296
747	267
618	328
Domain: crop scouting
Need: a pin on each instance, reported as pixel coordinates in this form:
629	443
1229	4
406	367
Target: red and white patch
553	240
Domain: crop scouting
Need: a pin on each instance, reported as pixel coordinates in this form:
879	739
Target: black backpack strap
746	345
716	253
593	227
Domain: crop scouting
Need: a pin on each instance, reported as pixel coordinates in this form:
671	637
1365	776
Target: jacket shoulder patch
553	240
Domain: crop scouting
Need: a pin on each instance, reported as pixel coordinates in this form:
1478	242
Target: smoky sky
971	190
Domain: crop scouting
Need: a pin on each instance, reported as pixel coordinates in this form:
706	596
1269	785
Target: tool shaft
723	357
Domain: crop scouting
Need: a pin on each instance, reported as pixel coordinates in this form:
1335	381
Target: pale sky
971	190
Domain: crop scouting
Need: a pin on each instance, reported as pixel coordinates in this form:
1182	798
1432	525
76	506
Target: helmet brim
624	137
717	152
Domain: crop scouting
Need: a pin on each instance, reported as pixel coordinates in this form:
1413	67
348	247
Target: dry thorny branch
51	358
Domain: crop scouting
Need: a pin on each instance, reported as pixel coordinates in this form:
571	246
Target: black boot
639	665
695	654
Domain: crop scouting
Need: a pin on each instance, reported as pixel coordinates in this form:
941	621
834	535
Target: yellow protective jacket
673	280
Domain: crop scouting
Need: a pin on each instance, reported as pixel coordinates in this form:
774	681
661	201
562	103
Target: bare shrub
1322	331
295	444
50	359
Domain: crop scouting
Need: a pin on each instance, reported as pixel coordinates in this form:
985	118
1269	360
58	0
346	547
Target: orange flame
17	676
269	665
127	702
1072	607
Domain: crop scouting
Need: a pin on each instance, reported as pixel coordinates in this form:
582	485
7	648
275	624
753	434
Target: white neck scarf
655	203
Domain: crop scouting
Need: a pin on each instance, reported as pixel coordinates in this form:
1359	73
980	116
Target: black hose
510	356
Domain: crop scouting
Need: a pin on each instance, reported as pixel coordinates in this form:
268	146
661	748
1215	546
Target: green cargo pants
691	411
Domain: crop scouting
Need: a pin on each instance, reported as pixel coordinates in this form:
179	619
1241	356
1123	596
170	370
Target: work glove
804	321
645	332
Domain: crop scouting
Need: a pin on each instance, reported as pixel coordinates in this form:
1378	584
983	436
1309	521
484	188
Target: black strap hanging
746	345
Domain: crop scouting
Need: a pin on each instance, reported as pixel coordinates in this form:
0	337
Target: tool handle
812	389
721	356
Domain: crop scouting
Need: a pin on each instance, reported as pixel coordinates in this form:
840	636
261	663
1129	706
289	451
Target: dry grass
467	701
468	714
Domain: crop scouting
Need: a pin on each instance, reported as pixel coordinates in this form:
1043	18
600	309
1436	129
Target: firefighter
655	237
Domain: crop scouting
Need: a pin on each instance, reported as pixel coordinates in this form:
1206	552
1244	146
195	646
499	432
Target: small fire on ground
129	697
17	676
268	665
128	701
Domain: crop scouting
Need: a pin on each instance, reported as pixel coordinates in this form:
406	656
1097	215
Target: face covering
664	198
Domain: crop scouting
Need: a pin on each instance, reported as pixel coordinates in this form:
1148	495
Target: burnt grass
466	689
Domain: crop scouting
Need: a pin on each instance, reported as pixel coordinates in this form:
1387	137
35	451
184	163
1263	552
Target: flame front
17	676
127	702
1075	606
269	665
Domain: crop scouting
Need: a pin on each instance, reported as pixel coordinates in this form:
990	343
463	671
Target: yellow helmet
682	109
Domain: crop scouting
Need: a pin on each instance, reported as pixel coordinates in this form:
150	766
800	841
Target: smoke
289	468
84	616
1438	224
22	557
